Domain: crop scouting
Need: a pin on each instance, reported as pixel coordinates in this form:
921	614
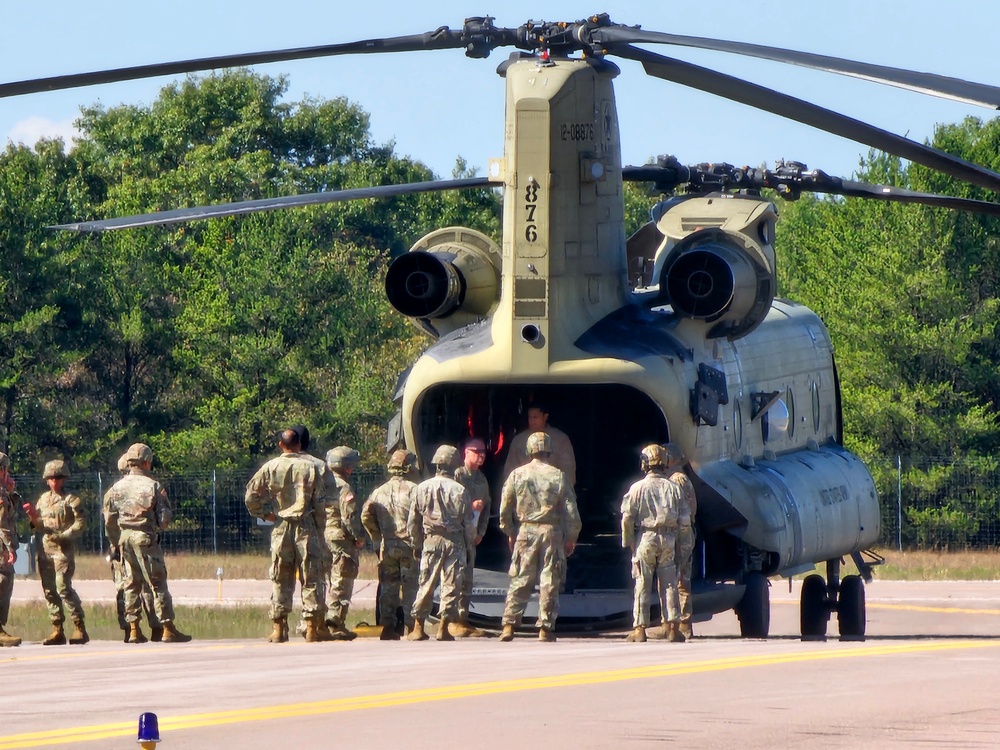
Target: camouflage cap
139	453
401	461
538	442
342	457
55	469
445	456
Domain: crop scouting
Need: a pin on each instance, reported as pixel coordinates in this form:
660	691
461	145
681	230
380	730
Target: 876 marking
530	204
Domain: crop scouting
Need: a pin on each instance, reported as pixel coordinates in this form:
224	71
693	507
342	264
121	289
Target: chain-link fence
926	504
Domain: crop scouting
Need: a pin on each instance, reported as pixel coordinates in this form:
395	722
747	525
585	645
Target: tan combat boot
338	631
316	630
546	635
417	634
686	630
79	636
444	634
173	635
57	637
388	633
462	629
674	633
508	633
638	635
7	640
280	632
135	634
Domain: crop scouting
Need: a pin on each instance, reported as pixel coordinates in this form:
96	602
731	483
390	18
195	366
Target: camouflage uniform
8	543
384	516
342	532
538	507
58	523
440	524
292	487
479	489
136	510
562	456
685	543
651	505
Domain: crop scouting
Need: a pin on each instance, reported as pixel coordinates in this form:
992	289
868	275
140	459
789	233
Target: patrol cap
538	442
55	469
401	461
445	456
342	457
139	453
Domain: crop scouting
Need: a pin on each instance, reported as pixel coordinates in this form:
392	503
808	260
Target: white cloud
30	130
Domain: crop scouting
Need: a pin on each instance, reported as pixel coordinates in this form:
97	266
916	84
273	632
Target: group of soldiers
135	510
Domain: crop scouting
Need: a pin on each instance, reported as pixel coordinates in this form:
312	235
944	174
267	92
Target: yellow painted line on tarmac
73	735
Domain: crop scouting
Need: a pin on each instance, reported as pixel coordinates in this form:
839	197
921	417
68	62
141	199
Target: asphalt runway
927	674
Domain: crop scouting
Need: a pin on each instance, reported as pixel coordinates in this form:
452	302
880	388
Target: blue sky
439	105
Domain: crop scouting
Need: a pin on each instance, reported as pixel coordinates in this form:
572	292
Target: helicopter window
815	405
738	424
776	420
791	412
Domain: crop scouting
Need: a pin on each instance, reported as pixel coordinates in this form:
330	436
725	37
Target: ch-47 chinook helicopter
672	335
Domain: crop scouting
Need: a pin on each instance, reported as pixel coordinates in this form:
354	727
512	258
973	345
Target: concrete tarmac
927	674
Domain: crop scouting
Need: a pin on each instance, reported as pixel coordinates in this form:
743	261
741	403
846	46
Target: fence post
899	503
215	524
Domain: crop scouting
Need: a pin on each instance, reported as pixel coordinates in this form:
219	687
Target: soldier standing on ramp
539	516
441	527
651	506
288	490
685	533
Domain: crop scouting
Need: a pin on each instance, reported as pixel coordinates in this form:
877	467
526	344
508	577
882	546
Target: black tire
851	607
813	613
754	611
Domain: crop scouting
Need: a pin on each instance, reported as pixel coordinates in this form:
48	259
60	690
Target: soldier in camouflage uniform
290	492
685	532
58	522
561	455
118	576
651	506
384	517
539	516
470	476
136	510
344	537
8	548
441	527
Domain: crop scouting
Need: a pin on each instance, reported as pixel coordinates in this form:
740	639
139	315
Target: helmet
122	463
653	455
675	454
445	456
401	461
539	442
342	457
139	452
55	469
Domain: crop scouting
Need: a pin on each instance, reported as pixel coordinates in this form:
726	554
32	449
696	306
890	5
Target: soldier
289	491
652	505
441	527
8	548
58	521
118	576
344	537
470	476
384	517
539	516
136	510
562	456
685	532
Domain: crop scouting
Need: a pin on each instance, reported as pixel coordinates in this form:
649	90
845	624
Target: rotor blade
442	38
818	117
270	204
838	186
956	89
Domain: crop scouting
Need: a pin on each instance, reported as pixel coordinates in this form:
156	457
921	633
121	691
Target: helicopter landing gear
754	609
845	597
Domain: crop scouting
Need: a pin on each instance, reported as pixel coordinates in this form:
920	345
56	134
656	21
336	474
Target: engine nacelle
717	262
448	279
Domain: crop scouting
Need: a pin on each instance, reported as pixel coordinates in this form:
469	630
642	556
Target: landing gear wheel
851	608
813	614
754	609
